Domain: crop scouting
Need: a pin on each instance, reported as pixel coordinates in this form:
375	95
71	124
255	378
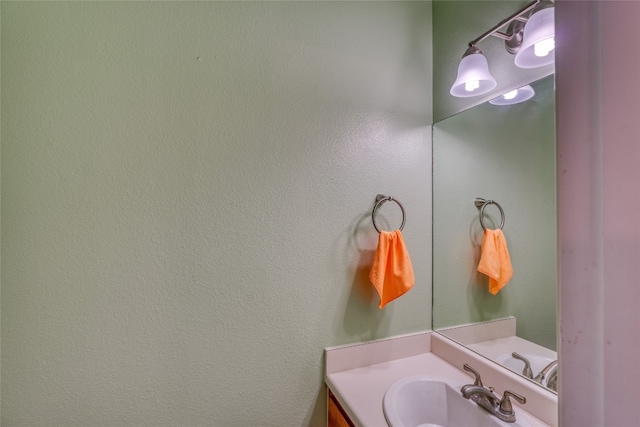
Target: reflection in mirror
505	154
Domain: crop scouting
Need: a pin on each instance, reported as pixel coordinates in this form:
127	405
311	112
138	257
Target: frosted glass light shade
473	77
514	97
538	40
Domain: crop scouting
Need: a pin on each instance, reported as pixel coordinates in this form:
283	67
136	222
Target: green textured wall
506	154
0	220
186	191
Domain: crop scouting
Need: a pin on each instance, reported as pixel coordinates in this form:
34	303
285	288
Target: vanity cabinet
337	416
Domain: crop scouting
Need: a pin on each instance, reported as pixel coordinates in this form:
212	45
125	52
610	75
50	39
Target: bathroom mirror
505	154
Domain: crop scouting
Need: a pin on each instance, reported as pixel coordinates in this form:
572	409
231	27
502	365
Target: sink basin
428	401
537	362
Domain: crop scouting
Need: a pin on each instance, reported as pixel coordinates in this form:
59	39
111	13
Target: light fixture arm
472	49
518	16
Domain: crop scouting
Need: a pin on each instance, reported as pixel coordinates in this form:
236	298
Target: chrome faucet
500	407
526	371
547	371
549	376
552	380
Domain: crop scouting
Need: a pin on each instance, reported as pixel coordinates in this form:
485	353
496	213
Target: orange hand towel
391	272
495	261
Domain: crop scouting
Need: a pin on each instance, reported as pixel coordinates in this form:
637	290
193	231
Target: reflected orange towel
391	272
495	261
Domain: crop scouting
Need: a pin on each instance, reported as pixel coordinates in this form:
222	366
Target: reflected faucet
484	397
526	371
552	381
549	376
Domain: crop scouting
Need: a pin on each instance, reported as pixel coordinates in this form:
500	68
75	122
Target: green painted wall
506	154
0	220
186	196
455	24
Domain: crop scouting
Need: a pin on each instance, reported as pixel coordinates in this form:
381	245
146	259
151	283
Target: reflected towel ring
380	199
482	203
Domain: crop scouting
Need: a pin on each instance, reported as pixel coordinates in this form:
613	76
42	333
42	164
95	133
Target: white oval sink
427	401
537	362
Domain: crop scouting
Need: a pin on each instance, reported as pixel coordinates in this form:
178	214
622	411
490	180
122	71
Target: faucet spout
546	372
470	391
484	397
548	377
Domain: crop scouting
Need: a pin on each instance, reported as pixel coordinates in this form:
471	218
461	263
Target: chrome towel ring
380	199
482	203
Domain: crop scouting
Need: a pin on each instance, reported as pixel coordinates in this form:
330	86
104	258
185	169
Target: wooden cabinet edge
337	417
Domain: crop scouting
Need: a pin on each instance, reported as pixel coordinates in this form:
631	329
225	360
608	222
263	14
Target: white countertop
360	390
494	348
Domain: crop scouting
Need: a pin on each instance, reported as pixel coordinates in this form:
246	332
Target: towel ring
482	203
380	199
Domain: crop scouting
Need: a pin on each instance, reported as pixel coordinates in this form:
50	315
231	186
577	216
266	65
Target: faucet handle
505	403
478	380
527	372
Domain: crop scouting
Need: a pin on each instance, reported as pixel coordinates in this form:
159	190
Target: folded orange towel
391	272
495	261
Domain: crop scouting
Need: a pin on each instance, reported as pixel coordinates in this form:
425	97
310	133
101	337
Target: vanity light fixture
530	36
473	76
538	39
514	97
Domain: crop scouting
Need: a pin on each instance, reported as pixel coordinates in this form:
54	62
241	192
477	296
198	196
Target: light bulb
471	85
538	39
542	48
514	97
473	78
510	95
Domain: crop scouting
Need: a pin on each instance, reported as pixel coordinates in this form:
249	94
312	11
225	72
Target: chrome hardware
526	371
505	403
484	397
482	203
546	372
478	380
552	380
380	200
548	377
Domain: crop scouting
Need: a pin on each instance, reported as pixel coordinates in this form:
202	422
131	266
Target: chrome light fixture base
513	43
